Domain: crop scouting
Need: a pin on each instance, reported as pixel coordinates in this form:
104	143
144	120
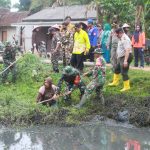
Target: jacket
81	42
141	41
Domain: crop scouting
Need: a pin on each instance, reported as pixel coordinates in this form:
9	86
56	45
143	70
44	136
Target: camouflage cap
98	51
68	70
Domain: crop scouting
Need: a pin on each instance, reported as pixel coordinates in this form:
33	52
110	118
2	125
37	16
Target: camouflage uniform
55	54
42	49
66	44
98	80
9	56
71	76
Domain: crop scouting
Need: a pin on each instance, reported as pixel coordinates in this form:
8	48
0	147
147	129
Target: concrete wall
11	31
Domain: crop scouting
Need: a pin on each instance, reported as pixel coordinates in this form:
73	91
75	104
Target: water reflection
87	137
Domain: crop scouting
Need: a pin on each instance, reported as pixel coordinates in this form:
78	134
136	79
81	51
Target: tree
23	5
5	3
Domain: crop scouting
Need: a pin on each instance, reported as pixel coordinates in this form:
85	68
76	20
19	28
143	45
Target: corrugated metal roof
77	12
6	19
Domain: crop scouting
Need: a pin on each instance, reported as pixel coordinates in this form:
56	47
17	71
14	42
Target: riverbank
18	107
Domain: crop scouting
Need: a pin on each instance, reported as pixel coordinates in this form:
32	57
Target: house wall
11	31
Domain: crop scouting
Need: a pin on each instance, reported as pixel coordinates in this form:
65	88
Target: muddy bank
121	108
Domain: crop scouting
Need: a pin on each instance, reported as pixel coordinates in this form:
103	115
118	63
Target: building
50	16
7	31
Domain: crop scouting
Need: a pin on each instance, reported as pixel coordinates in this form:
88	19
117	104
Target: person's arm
87	42
58	42
128	49
5	59
95	38
143	40
60	82
39	97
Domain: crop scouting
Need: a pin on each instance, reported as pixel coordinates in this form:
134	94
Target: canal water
90	136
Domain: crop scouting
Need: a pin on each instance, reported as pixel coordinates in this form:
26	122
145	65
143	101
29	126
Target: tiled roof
77	12
7	18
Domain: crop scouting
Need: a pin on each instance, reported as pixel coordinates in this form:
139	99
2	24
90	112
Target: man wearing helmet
72	78
98	79
9	56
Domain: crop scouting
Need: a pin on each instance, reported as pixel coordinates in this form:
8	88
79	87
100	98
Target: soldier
72	78
46	92
55	46
97	83
66	44
9	57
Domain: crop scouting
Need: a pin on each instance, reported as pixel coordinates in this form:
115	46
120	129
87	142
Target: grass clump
18	105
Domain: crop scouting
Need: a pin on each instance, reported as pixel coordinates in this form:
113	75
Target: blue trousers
106	54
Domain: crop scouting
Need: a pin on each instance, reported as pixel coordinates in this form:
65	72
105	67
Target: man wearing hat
126	29
9	56
72	78
124	58
93	36
98	78
81	47
55	46
113	44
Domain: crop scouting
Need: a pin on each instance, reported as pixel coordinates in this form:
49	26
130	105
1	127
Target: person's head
48	83
90	22
114	25
107	27
68	70
138	28
78	27
99	26
8	45
68	19
119	32
126	27
98	52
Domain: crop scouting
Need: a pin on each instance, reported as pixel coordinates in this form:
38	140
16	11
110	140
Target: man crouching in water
98	79
47	93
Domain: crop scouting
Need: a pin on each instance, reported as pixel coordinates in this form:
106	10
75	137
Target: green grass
18	101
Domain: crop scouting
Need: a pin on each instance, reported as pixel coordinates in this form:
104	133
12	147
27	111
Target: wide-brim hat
125	25
98	51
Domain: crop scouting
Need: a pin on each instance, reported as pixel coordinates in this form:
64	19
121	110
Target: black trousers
90	56
121	69
77	61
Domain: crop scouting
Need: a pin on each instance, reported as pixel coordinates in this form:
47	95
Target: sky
12	3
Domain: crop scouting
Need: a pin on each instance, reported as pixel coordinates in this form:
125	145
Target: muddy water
93	136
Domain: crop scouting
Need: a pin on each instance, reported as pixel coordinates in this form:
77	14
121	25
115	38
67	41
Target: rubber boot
126	86
82	102
115	80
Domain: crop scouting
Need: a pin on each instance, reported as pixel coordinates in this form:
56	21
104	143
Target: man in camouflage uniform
55	46
72	78
98	79
9	57
66	44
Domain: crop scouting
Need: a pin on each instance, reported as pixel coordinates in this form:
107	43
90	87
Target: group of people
78	43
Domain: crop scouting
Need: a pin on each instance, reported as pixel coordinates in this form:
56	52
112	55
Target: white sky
12	3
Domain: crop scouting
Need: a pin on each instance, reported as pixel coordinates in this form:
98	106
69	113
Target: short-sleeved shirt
42	89
123	44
